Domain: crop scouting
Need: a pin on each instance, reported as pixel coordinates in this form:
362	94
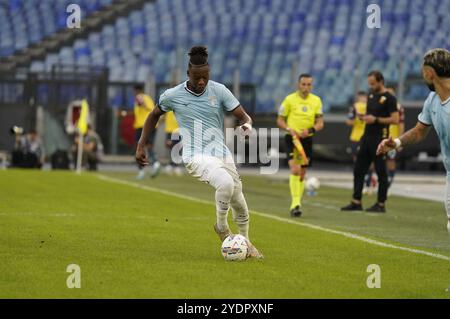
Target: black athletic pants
366	155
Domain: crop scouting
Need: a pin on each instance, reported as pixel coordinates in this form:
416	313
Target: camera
16	130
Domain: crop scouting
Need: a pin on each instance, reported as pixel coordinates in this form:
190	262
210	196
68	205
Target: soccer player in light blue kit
199	106
435	112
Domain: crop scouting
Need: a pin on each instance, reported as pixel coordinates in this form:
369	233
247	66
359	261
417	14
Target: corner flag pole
79	151
82	126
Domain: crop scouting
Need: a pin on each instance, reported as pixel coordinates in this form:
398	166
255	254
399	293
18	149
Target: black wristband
376	121
311	130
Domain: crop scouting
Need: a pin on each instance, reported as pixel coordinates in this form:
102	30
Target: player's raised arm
149	126
245	121
412	136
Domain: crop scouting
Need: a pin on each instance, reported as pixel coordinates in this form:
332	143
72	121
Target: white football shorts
202	167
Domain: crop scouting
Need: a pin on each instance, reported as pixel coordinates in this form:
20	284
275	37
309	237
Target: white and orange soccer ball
235	248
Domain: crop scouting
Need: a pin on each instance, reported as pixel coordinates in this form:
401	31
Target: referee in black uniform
381	111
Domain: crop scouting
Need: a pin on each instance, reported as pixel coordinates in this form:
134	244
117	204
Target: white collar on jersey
192	92
445	102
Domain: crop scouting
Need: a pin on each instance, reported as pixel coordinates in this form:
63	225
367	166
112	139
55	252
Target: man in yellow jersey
142	108
300	115
172	139
355	120
395	131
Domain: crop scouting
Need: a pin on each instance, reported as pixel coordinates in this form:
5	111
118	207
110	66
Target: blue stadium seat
264	39
24	22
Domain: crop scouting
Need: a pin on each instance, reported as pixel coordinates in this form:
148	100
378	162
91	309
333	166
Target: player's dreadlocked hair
198	56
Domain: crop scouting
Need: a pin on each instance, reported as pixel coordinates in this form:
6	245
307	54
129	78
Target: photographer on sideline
28	150
92	149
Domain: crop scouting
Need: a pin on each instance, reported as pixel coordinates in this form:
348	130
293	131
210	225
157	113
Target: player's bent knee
226	186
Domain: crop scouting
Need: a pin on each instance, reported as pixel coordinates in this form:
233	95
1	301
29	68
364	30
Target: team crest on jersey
305	109
213	100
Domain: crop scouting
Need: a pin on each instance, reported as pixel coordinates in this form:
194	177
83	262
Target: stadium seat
24	22
263	39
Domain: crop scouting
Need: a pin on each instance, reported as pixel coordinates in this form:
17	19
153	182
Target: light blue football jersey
437	114
200	118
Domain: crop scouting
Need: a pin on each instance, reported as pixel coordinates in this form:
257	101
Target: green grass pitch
133	242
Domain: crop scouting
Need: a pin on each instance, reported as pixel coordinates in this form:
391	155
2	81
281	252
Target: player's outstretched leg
242	218
224	185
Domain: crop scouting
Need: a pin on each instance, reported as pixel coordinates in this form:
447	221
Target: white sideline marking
328	230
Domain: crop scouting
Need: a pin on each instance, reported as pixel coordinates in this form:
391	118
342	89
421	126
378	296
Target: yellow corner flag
82	126
83	121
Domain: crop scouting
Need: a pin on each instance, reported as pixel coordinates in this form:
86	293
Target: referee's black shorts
307	144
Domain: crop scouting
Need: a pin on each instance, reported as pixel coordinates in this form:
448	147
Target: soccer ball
234	247
312	184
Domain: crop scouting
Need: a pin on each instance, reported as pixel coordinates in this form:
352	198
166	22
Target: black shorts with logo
307	144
